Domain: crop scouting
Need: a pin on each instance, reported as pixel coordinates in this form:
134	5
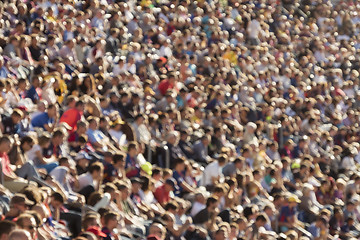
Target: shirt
213	170
41	120
161	195
5	163
71	117
85	180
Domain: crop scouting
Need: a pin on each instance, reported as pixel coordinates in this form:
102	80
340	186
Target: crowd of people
179	119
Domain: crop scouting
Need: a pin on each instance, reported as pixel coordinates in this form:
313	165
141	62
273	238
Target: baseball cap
147	167
293	198
172	182
97	231
20	198
82	155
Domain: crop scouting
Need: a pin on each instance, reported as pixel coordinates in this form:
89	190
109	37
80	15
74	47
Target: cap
82	155
147	167
117	121
97	231
172	183
136	180
20	198
293	198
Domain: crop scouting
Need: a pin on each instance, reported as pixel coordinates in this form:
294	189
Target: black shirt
201	217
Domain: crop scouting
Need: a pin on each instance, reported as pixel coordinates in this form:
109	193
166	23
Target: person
288	214
213	172
200	149
73	115
91	179
6	227
19	234
11	181
110	223
163	193
46	120
132	166
27	222
207	216
10	125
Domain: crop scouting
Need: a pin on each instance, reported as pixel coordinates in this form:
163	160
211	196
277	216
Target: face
29	225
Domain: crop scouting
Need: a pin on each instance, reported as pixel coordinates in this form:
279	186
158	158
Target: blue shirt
41	120
179	177
95	136
32	94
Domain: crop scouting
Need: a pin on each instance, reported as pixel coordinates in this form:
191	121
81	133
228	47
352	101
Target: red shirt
5	163
71	117
164	86
161	195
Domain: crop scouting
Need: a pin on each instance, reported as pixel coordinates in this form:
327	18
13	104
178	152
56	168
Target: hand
188	221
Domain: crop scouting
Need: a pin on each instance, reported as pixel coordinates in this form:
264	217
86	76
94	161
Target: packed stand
173	120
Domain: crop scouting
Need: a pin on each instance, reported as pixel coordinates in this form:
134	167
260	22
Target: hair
109	187
26	139
4	139
18	233
58	197
43	139
94	198
171	206
261	217
88	219
118	157
22	217
58	133
63	160
211	200
156	171
6	227
108	216
132	145
97	166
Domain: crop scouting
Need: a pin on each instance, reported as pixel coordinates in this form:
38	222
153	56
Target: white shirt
119	136
348	163
196	208
85	179
254	29
212	170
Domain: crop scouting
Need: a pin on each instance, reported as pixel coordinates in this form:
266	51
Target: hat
82	155
147	167
20	198
152	237
136	180
97	231
117	121
172	183
293	199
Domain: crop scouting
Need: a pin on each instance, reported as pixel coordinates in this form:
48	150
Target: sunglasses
30	227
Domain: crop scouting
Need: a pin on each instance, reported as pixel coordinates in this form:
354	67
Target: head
158	230
5	228
6	144
20	234
27	222
96	170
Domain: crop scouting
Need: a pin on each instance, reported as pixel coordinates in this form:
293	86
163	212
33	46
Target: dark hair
58	197
26	139
6	227
118	157
97	166
211	200
109	215
261	217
